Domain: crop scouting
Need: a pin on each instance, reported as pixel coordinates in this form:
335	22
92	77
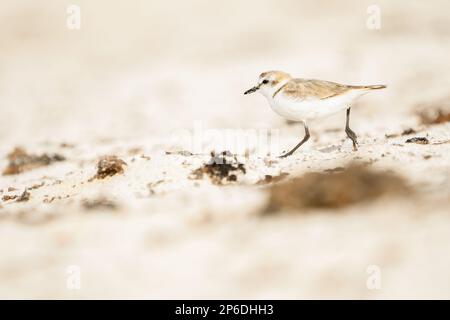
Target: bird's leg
350	132
305	138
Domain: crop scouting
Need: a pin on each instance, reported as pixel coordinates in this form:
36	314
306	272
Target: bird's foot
287	154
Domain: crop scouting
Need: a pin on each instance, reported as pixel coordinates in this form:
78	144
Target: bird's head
269	82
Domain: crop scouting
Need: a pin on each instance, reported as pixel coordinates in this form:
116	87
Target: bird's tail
375	87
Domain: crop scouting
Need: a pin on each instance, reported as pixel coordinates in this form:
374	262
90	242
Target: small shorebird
307	99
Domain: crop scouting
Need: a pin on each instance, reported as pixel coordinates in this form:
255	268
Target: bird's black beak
255	88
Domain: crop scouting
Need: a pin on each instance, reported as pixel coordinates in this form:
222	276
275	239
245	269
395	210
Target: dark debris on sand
222	167
268	178
99	204
418	140
437	117
25	196
9	197
405	132
183	153
334	170
109	166
20	161
335	190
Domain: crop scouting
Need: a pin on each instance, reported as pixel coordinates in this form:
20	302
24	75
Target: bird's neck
269	94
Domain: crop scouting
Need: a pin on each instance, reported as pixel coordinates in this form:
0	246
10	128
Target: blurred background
151	66
138	71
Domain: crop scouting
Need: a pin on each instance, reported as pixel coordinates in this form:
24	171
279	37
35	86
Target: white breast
308	109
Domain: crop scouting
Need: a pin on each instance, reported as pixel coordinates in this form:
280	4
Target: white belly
308	109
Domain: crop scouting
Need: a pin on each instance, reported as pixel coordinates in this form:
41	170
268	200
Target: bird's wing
301	89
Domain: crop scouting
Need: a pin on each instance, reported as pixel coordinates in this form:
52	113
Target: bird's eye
265	81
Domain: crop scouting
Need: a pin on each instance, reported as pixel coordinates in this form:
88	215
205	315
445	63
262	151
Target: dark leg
301	142
350	132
